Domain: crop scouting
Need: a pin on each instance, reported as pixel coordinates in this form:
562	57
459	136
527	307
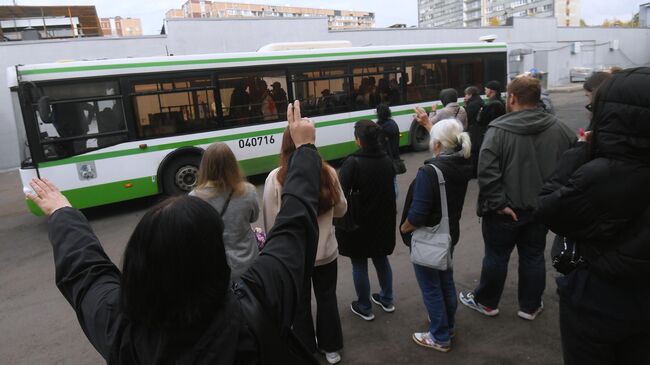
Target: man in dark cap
493	108
519	152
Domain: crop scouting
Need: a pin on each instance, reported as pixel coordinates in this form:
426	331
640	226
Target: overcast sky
387	12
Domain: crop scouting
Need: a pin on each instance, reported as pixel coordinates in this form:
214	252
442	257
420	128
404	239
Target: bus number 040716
256	141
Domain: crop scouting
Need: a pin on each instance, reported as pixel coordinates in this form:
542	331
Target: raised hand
47	196
422	118
302	129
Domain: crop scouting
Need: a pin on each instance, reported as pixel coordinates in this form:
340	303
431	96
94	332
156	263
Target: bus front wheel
181	175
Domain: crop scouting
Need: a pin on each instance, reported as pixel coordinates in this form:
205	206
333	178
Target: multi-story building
337	19
476	13
121	27
440	13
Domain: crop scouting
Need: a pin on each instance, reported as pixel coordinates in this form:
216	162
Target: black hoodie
599	196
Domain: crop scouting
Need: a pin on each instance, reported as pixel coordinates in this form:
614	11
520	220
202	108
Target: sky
387	12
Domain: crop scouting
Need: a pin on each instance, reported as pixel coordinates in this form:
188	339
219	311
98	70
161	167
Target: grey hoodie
519	152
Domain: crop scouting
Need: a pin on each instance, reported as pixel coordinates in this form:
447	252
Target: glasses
589	107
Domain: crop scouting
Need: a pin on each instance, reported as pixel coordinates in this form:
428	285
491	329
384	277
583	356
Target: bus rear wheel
419	138
181	175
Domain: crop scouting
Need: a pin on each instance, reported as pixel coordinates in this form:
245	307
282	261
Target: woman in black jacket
599	198
173	301
369	174
451	148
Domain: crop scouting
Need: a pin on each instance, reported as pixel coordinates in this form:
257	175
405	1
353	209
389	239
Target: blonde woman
222	184
451	149
332	204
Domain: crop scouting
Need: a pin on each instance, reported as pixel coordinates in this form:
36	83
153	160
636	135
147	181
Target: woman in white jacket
332	204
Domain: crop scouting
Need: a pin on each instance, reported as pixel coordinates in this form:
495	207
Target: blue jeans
362	283
501	235
439	296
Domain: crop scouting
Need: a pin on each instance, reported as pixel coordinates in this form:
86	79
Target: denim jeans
439	296
501	234
362	283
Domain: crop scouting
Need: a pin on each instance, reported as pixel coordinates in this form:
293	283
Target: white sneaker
332	357
533	315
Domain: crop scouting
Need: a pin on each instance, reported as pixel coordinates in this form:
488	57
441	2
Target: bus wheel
181	175
419	138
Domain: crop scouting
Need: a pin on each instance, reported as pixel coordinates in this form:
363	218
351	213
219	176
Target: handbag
431	246
565	255
350	220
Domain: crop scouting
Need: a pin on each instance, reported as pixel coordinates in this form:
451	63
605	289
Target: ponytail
449	133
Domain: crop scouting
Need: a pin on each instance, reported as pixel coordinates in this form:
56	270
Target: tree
583	23
494	22
607	23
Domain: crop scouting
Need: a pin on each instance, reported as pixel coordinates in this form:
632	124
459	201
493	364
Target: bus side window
253	97
464	72
424	79
177	106
376	83
321	91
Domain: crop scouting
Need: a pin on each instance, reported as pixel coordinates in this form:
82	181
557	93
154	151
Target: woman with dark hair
389	131
222	185
368	174
328	336
598	198
473	105
451	109
173	302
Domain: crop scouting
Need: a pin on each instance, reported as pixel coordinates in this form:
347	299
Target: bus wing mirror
44	109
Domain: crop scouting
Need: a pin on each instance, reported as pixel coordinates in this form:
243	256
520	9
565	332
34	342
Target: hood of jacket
524	122
621	119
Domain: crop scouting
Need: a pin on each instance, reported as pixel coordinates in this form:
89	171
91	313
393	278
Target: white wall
192	36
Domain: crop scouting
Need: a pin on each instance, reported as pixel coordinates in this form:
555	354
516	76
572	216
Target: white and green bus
106	131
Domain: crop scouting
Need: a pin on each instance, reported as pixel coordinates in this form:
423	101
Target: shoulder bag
431	246
349	222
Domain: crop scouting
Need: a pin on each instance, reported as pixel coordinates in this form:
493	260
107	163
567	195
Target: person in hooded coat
451	109
599	197
520	151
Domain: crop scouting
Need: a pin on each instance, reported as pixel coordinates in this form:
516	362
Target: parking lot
37	326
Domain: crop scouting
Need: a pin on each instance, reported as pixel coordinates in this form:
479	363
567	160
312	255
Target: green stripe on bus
202	141
107	193
146	186
241	59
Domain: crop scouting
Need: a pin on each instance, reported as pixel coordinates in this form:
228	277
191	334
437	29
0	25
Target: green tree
583	23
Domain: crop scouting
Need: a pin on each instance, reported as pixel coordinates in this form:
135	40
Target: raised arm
278	274
86	277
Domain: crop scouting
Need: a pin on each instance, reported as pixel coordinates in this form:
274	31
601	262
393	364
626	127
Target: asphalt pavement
37	325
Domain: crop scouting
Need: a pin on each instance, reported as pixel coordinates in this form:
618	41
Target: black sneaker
387	307
367	315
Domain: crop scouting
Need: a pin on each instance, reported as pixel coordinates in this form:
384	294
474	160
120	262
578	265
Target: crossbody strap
443	192
225	205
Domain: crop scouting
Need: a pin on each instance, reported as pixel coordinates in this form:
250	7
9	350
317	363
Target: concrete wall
548	47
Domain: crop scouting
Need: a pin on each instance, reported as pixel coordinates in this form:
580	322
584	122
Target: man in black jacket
599	198
247	325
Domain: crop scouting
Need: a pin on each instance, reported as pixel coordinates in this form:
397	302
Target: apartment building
476	13
440	13
121	27
337	19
